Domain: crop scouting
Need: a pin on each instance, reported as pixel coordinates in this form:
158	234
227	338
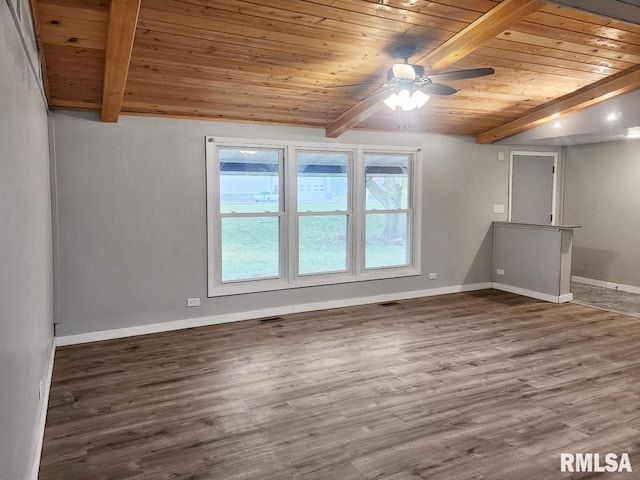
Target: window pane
322	181
250	248
323	244
387	181
249	180
386	240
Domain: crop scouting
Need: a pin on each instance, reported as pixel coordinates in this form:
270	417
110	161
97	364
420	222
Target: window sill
258	286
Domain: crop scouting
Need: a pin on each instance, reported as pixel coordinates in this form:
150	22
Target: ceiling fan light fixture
420	98
403	96
404	71
392	101
406	100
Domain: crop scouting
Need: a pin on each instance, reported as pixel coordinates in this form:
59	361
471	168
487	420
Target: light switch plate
501	156
499	271
498	209
193	302
433	276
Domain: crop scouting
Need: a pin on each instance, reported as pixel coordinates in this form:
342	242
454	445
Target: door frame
555	179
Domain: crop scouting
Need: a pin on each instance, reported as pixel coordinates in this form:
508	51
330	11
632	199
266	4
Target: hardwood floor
482	385
606	298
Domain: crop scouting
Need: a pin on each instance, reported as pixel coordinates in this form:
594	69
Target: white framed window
283	215
323	212
388	210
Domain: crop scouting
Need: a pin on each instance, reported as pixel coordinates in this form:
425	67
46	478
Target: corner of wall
42	415
53	168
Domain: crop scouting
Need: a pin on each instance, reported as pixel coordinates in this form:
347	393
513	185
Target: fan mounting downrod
405	52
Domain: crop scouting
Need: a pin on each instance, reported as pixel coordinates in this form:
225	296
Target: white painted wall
132	229
26	332
602	194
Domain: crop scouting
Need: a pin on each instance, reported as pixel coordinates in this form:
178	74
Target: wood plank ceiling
269	61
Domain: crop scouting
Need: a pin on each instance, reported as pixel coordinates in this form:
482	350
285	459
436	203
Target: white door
532	187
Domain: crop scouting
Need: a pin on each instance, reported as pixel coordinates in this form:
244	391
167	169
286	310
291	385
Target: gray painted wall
602	194
626	10
132	230
533	258
25	253
605	121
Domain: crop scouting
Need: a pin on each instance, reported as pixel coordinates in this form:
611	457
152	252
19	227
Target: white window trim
293	198
412	201
289	236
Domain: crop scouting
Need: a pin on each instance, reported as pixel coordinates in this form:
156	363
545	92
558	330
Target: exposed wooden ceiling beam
356	114
618	84
123	18
485	28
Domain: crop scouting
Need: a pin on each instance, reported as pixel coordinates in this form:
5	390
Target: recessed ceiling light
633	132
612	116
557	124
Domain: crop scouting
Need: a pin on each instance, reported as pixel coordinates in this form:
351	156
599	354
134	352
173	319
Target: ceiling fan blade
377	92
355	85
437	89
461	74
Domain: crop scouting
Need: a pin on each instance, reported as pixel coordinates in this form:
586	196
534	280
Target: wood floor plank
473	385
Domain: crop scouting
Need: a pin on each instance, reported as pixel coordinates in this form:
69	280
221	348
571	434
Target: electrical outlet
433	276
499	271
193	302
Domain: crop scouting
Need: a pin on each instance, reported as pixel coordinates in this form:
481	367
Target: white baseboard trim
533	294
253	314
601	283
565	298
42	416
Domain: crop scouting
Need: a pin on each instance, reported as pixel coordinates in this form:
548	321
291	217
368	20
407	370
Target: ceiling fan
410	88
